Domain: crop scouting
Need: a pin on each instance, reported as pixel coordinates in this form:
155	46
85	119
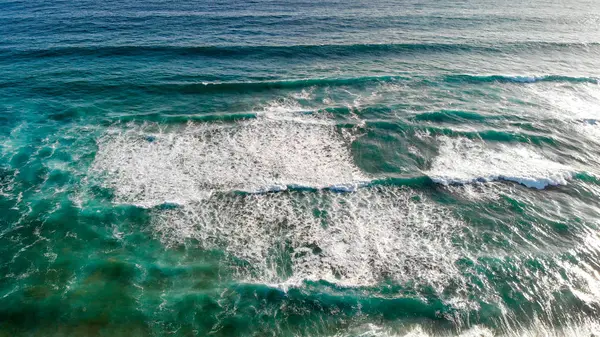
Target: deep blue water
301	168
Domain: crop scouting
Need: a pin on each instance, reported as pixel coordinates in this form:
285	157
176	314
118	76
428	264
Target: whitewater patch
577	106
411	330
462	161
352	239
582	327
570	103
152	164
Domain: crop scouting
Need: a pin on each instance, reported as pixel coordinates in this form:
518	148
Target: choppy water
274	168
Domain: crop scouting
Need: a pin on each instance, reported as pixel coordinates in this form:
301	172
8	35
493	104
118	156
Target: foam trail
148	165
570	104
351	239
578	106
462	161
584	327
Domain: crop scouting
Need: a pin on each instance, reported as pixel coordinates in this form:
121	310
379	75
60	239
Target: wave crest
462	161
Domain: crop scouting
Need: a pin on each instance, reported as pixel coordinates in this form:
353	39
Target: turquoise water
271	168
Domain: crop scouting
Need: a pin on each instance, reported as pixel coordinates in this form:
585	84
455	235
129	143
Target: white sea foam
568	103
578	106
525	79
479	191
585	327
352	239
148	165
462	161
413	330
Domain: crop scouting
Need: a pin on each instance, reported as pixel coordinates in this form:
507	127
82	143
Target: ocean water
300	168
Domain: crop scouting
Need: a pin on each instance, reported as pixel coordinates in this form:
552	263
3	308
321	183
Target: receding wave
276	84
489	134
519	78
237	51
449	116
294	51
208	87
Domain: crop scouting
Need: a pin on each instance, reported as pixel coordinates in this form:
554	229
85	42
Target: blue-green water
271	168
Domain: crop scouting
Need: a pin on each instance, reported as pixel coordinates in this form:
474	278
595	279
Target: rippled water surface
275	168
